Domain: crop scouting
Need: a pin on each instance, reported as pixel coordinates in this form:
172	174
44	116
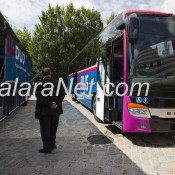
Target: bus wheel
94	110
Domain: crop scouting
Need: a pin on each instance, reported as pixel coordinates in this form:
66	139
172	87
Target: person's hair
46	71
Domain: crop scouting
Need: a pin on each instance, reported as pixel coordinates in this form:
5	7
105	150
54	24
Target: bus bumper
162	125
134	124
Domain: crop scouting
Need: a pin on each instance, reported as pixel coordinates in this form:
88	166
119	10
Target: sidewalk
75	154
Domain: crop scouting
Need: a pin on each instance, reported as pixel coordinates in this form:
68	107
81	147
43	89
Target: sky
26	12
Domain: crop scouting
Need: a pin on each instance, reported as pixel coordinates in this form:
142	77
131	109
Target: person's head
46	72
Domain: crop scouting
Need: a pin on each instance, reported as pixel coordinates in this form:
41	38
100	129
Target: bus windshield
153	58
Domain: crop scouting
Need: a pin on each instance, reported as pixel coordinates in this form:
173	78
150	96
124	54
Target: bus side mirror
133	29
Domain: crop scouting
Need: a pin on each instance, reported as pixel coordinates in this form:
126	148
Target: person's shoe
54	147
44	151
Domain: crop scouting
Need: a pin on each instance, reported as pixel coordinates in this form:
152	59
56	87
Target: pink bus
136	47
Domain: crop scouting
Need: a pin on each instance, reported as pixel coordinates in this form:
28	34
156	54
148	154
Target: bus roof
144	11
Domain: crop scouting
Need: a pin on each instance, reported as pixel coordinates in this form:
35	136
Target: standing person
48	110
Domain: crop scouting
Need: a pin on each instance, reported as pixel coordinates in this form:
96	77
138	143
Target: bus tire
94	110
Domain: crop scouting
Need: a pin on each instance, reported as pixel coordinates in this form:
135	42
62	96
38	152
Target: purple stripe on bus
71	75
131	123
87	70
141	11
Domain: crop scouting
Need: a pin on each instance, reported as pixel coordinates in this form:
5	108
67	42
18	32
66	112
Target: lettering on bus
19	55
10	47
15	51
84	82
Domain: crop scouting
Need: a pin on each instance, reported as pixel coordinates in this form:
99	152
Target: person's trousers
48	129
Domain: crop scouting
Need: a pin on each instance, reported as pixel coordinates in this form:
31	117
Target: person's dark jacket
43	103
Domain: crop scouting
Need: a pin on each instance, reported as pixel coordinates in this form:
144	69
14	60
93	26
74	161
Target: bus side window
118	62
2	63
101	73
108	61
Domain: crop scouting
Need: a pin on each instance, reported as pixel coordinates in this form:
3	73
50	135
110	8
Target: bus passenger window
101	73
118	64
1	63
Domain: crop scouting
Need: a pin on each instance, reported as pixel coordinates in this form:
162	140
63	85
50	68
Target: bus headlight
138	110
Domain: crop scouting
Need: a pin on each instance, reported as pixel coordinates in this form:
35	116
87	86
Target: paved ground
127	154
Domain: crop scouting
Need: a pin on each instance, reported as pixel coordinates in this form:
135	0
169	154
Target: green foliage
60	35
24	36
110	18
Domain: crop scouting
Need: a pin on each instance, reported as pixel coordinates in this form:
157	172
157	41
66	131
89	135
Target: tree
110	18
61	34
24	36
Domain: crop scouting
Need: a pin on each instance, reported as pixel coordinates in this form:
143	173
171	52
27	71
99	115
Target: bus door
98	104
114	66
